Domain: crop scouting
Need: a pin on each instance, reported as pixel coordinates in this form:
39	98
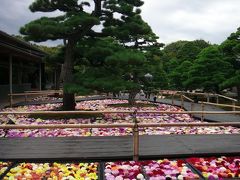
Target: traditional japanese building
21	66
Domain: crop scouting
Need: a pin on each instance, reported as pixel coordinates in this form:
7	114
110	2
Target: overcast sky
171	20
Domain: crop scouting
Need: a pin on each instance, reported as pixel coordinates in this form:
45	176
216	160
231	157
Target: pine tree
73	24
121	62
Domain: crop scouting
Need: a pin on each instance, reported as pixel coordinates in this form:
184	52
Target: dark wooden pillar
40	76
10	74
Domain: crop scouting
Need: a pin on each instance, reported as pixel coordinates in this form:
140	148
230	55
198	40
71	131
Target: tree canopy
209	70
231	51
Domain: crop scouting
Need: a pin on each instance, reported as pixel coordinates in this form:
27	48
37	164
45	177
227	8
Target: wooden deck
116	148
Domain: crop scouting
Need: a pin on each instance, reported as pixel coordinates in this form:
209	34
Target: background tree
177	59
179	75
191	49
231	52
170	51
155	68
183	50
72	25
53	62
209	70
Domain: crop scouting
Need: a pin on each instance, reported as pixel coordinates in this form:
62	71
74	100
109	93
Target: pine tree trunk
68	98
68	101
131	98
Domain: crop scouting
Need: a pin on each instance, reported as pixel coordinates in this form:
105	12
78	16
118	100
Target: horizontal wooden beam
126	125
65	126
220	105
187	124
113	112
44	91
191	100
225	97
190	112
37	93
62	112
204	94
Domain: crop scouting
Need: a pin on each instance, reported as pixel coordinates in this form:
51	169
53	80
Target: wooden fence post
182	103
25	97
191	115
202	118
172	100
11	100
135	138
234	104
217	99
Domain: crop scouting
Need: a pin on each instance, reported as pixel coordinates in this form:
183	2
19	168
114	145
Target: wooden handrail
221	105
205	94
62	112
225	97
194	93
127	125
66	126
37	93
31	93
45	91
113	112
191	100
144	125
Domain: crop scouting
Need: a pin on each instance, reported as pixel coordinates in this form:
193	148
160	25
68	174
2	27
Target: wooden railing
113	112
183	96
32	93
179	94
135	125
208	95
44	91
221	105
